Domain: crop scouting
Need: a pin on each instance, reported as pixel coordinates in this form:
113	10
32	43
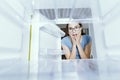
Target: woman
76	45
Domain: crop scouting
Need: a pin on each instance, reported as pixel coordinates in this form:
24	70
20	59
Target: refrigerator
30	39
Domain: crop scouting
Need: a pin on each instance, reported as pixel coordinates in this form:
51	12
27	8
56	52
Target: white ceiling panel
48	4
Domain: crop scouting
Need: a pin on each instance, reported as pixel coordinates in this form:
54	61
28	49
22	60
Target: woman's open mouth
74	34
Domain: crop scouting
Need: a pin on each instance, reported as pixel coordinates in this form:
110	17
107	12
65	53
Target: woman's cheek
70	34
79	32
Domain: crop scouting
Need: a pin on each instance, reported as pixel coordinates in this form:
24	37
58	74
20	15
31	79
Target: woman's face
74	29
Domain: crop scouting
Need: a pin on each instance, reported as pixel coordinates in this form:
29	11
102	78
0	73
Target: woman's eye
76	27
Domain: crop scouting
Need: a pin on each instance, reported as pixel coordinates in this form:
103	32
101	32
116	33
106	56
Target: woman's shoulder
66	41
65	38
87	37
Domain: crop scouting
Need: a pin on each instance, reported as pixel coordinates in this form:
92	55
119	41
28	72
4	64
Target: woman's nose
73	30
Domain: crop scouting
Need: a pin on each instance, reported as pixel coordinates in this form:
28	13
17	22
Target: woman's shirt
85	40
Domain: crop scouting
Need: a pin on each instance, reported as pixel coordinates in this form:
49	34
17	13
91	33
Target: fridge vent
76	13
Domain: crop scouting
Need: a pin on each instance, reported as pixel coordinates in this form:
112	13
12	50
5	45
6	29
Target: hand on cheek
73	38
78	38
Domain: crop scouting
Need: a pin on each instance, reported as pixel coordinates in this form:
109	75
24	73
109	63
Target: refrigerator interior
30	33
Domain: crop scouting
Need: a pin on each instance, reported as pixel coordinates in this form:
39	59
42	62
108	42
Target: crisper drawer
90	69
13	69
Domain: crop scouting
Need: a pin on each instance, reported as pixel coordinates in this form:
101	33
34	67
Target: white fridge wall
11	35
14	30
107	6
111	32
106	31
112	39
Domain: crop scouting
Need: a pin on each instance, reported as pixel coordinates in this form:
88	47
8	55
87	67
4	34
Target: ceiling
60	11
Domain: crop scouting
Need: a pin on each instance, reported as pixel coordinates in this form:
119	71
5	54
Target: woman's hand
73	40
77	39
